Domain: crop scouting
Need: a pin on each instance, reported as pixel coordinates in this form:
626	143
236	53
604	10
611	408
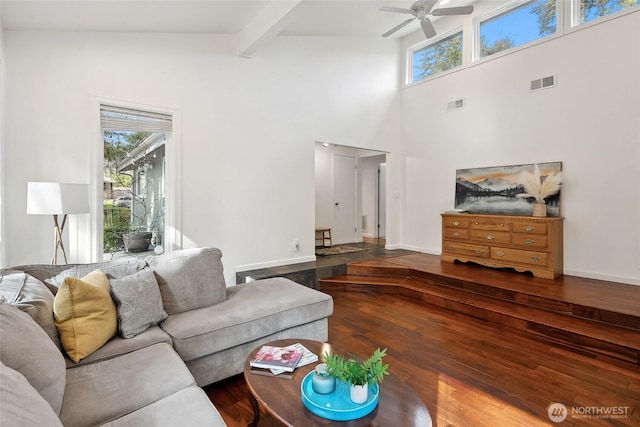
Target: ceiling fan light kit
420	10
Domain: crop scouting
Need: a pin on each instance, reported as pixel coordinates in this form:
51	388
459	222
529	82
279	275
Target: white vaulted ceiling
344	18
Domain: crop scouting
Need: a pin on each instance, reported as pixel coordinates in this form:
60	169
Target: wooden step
529	297
547	320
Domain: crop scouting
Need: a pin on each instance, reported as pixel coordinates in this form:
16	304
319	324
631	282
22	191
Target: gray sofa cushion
116	268
31	296
101	392
138	302
189	278
20	403
188	407
117	346
27	349
252	310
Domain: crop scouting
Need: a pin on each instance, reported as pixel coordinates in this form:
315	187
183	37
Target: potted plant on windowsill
539	188
359	375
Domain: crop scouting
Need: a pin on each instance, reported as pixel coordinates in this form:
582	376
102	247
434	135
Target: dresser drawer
518	256
490	224
490	237
529	227
532	241
478	251
455	221
456	234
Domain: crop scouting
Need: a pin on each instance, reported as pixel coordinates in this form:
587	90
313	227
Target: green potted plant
359	375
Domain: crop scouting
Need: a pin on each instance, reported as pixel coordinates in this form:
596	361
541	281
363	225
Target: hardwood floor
468	371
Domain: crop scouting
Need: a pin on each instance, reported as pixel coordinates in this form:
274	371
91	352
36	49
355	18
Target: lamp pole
57	231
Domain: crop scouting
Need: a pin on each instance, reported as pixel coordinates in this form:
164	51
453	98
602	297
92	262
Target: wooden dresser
523	243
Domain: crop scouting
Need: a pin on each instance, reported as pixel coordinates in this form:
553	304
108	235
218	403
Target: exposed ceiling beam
265	25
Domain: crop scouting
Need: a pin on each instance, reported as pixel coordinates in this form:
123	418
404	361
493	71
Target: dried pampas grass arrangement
538	188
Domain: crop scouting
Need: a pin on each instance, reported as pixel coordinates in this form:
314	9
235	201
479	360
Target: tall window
518	25
442	54
589	10
134	194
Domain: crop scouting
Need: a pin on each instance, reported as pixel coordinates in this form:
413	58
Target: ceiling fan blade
446	11
427	27
397	27
397	10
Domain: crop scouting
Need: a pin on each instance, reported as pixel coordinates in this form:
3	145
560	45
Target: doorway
350	190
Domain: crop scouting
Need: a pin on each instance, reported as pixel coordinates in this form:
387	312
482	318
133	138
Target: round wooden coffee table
398	404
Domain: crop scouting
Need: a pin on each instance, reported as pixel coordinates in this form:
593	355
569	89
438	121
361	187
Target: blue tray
336	406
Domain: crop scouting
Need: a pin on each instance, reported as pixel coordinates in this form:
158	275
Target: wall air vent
455	105
543	83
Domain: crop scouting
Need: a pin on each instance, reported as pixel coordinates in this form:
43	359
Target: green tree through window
594	9
517	26
437	57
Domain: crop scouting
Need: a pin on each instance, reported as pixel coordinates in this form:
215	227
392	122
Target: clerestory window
514	25
438	55
590	10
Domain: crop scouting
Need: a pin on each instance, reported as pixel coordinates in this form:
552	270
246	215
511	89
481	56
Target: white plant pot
359	393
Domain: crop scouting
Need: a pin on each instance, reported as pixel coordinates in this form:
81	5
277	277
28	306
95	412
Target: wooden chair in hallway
322	235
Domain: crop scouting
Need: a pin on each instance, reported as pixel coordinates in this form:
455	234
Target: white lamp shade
53	198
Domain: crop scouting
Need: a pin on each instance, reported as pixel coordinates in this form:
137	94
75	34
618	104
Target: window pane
133	190
594	9
517	26
437	57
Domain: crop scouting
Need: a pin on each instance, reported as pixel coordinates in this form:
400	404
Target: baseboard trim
606	277
277	263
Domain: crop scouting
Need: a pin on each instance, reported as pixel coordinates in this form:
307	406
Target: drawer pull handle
456	223
479	251
528	228
528	241
489	237
456	234
535	258
501	225
452	248
500	253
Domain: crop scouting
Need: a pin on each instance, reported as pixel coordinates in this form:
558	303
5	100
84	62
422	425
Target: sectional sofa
131	341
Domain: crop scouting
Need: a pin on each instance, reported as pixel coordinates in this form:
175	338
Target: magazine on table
281	358
307	358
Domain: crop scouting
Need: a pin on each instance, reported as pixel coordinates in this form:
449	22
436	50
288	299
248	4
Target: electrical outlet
296	245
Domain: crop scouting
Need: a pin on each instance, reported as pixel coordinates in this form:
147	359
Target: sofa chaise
130	342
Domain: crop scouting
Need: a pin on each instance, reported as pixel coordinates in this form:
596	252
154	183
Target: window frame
411	50
574	15
504	9
172	172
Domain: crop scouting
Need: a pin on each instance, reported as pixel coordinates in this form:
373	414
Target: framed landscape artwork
494	190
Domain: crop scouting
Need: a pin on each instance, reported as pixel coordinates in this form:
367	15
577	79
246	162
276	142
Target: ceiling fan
420	10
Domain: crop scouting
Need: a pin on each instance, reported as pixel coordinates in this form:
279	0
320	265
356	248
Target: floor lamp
54	198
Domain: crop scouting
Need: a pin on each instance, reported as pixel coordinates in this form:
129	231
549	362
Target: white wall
248	129
590	122
2	178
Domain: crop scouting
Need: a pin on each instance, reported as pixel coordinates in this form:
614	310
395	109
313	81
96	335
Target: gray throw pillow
31	296
138	302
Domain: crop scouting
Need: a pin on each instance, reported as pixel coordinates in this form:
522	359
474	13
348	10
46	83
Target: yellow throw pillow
85	314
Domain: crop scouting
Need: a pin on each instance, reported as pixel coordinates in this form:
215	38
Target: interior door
344	193
382	200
